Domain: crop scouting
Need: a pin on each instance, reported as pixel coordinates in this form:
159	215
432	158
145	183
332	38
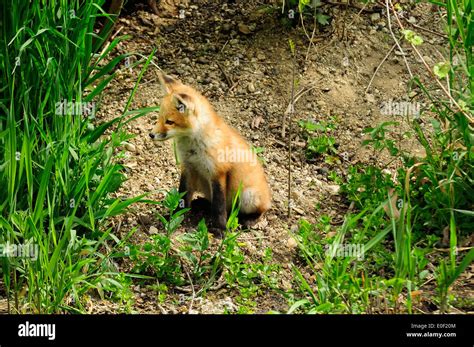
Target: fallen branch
345	4
229	80
428	30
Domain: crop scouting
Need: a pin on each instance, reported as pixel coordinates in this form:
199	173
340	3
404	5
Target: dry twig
379	66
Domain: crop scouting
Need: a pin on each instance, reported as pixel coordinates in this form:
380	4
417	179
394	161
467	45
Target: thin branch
312	35
379	66
228	79
192	287
428	30
290	118
358	14
345	4
395	39
296	97
304	28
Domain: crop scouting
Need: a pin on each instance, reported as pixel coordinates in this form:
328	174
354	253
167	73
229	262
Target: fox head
178	113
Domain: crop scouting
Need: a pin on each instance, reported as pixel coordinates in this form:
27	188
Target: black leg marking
218	206
183	187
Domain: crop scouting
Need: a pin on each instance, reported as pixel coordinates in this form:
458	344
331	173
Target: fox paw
217	232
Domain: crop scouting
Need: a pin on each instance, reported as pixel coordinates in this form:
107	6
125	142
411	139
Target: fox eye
169	122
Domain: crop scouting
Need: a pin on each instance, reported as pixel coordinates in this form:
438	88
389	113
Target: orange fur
210	150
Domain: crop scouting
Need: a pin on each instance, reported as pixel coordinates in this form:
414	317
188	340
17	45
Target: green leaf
322	19
412	37
297	305
292	46
302	4
467	260
441	69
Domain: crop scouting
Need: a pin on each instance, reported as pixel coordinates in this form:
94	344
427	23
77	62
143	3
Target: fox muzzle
158	136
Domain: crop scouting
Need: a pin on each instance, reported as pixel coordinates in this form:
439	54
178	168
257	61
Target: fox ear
184	103
167	82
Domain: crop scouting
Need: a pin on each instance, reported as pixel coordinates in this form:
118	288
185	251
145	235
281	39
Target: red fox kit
215	159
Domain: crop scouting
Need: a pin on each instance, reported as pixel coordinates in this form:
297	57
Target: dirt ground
238	56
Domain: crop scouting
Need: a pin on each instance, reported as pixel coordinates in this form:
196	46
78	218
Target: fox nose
152	136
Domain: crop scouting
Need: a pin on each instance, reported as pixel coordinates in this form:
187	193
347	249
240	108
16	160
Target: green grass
188	260
402	221
320	141
57	173
56	168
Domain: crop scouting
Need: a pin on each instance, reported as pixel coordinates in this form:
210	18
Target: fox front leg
184	186
218	204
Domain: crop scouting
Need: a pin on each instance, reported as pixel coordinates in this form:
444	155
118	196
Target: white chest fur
194	152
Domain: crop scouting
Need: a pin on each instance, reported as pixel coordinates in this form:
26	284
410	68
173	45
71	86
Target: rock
251	88
144	219
345	62
286	284
323	170
153	230
318	183
412	20
149	187
202	60
226	27
169	28
321	103
370	98
334	189
131	164
146	22
291	243
298	210
244	29
295	195
261	56
375	17
130	147
256	122
272	217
